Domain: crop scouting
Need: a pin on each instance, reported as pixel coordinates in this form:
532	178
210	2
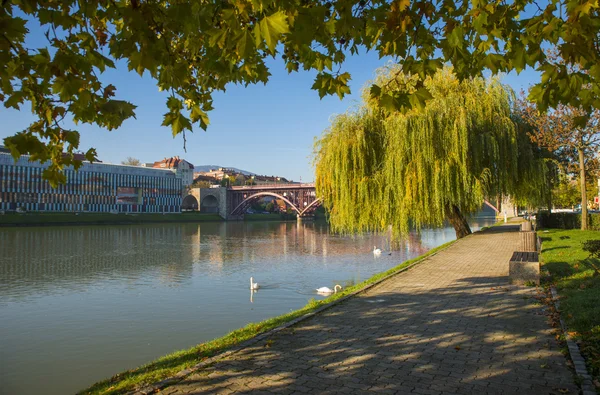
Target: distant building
222	172
260	180
95	187
201	178
218	174
182	169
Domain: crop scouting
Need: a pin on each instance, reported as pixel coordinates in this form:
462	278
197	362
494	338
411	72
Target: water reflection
38	261
78	304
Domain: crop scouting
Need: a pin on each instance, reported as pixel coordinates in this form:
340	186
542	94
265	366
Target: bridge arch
311	207
189	203
241	208
209	204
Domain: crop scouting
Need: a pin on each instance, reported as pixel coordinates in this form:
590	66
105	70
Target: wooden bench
524	266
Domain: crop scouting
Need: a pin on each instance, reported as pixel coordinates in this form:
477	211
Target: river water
79	304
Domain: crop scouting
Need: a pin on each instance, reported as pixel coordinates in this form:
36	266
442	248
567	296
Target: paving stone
451	325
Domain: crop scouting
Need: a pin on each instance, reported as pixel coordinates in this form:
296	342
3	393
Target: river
79	304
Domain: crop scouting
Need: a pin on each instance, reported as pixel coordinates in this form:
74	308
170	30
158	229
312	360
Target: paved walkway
450	325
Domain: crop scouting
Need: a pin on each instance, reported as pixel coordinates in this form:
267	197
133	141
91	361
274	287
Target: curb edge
587	387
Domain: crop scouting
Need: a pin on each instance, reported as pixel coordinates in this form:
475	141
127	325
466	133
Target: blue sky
264	129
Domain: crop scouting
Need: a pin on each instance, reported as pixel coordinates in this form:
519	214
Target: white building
183	169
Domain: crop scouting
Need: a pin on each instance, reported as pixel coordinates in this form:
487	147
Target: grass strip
47	219
171	364
578	288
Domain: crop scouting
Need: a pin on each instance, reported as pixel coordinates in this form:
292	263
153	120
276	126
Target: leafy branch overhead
194	48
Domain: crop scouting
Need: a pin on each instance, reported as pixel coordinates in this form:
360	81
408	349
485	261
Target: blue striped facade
93	188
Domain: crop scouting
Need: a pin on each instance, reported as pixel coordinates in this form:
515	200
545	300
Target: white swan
376	251
327	290
253	285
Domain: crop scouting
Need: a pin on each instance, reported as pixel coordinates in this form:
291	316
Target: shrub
593	248
566	220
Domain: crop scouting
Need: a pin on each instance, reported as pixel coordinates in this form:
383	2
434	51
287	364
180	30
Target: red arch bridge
233	202
301	198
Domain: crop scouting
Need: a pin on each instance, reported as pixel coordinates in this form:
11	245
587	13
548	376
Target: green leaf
375	91
457	37
174	104
244	44
42	57
272	27
388	103
15	100
480	21
494	62
217	37
419	98
322	84
54	176
519	58
177	121
91	155
115	112
197	115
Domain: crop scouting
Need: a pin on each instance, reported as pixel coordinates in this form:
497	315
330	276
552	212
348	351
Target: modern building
182	169
95	187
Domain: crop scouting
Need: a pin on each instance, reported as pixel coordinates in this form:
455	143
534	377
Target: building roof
97	167
172	163
77	155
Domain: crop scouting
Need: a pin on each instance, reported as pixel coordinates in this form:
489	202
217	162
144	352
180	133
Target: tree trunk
584	211
458	221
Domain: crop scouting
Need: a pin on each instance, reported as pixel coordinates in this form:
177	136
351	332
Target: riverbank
73	219
171	364
578	288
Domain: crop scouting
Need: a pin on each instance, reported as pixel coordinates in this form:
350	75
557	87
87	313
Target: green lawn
32	219
170	364
579	289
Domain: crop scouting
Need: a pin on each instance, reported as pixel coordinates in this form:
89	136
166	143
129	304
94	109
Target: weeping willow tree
427	165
